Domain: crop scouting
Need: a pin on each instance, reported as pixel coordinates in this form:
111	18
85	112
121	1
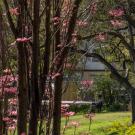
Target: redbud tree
45	36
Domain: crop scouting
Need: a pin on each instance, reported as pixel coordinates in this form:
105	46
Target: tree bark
47	58
58	81
59	67
133	104
2	43
3	65
22	73
1	123
34	111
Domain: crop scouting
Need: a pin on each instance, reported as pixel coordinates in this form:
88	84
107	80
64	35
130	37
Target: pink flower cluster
7	71
10	123
14	11
116	23
93	7
74	38
116	12
12	101
65	23
86	83
65	112
101	37
7	86
23	40
56	20
81	23
74	123
64	108
68	114
13	113
10	90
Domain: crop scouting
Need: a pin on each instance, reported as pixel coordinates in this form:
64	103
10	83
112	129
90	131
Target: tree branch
108	65
116	34
10	20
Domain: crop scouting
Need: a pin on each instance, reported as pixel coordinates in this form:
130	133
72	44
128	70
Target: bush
130	130
118	107
80	108
120	129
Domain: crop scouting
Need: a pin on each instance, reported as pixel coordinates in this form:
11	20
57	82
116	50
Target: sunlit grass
99	123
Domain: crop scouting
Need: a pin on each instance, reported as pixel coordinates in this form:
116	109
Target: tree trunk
57	106
22	73
34	112
1	123
59	67
47	62
133	104
3	65
2	43
58	81
22	89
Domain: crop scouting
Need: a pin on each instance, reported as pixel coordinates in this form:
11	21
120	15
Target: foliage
116	129
119	128
115	96
130	130
100	123
42	37
80	108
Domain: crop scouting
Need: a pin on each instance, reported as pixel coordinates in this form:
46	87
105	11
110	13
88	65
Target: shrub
80	108
118	128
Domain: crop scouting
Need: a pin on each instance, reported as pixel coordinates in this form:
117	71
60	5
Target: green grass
99	123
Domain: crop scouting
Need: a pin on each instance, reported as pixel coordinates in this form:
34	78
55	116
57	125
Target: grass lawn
100	121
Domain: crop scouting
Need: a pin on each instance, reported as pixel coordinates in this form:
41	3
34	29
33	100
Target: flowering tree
117	39
46	34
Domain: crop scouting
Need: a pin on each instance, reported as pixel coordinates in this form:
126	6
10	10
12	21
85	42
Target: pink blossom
23	40
74	34
82	23
87	83
11	128
116	23
56	20
11	90
14	11
74	37
13	113
74	123
7	71
64	108
116	12
65	23
68	114
12	101
6	119
93	7
101	37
